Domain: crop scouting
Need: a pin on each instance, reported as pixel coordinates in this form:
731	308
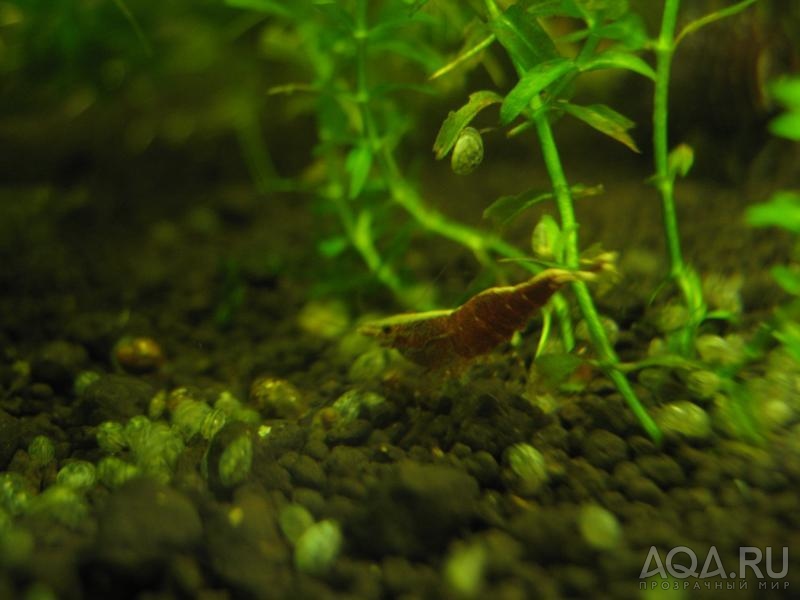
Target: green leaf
629	30
333	246
554	8
680	160
786	90
787	278
556	369
786	125
274	7
619	59
711	18
605	120
358	164
507	208
414	51
458	120
782	210
532	83
526	42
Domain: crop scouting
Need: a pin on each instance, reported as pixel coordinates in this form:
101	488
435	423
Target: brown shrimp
443	338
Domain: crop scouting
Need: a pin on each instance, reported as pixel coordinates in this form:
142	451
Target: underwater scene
399	299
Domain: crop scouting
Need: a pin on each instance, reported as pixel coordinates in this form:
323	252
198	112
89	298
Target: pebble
10	434
58	362
604	449
428	505
113	398
142	523
318	547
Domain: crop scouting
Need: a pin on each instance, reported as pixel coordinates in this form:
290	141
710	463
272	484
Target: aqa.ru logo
749	557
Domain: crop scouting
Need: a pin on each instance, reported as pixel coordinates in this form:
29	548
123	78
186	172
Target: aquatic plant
542	92
677	162
783	210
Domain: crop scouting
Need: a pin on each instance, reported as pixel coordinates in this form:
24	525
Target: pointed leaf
506	208
605	120
274	7
458	120
786	90
358	165
619	59
782	210
728	11
786	125
787	278
680	160
533	82
526	42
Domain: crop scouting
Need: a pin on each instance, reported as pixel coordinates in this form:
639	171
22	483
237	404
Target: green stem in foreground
569	226
664	181
682	274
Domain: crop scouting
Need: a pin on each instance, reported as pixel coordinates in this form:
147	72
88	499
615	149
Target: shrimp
443	338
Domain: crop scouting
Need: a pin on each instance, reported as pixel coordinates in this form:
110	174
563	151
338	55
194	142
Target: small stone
464	569
327	319
351	433
277	398
703	384
527	469
684	419
143	523
113	398
318	547
664	470
41	450
235	461
717	350
306	472
294	519
599	527
58	363
138	355
604	449
111	437
78	475
10	434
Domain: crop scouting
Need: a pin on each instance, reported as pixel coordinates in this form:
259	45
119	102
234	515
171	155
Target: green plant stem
683	275
569	226
404	194
664	181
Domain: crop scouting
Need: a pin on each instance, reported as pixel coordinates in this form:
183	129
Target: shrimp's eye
386	329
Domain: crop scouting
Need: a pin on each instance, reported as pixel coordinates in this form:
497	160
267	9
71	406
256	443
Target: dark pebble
663	470
311	499
351	433
543	534
414	510
249	554
10	433
142	523
644	490
316	449
604	449
345	460
58	362
306	472
113	398
483	467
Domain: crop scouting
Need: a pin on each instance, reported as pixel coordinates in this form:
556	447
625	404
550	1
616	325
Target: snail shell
467	152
